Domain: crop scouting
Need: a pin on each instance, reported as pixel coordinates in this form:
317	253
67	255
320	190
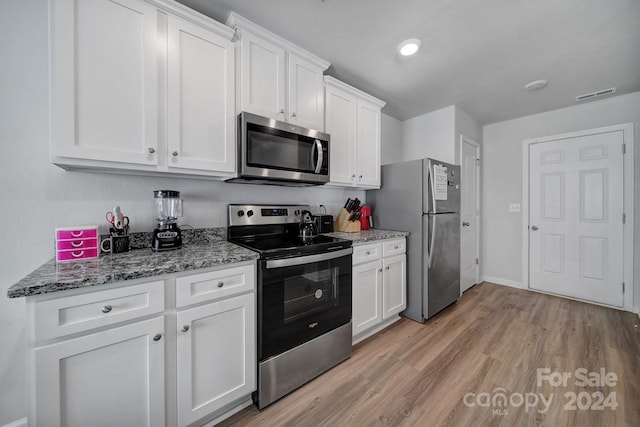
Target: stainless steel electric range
303	297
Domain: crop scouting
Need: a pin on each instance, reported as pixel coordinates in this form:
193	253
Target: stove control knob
250	213
241	213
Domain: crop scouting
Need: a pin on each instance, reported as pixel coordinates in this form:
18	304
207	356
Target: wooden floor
486	346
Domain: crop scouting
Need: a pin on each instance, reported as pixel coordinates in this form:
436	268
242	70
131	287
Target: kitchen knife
356	204
346	205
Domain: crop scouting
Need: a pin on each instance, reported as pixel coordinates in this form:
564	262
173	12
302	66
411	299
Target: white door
341	125
104	84
367	291
216	356
368	145
201	80
576	222
110	378
262	78
469	208
306	94
394	285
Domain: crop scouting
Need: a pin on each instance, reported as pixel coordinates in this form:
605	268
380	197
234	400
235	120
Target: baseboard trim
19	423
503	282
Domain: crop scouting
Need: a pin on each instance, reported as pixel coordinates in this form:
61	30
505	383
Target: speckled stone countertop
208	248
369	235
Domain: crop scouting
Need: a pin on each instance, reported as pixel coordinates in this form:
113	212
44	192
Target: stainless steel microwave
275	152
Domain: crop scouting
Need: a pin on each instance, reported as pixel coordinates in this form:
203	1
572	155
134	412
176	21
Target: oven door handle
290	262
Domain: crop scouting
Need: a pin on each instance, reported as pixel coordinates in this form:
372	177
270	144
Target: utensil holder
342	222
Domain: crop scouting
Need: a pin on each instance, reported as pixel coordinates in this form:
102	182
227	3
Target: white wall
467	126
502	177
391	147
430	135
38	196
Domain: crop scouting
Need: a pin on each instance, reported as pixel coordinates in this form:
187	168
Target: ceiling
477	55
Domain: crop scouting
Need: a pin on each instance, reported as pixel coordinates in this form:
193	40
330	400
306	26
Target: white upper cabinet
201	119
104	80
262	79
142	86
352	119
278	79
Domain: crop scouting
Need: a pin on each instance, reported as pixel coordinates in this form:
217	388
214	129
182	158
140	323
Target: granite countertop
369	235
205	250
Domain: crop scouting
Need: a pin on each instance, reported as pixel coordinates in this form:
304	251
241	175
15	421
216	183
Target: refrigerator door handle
432	189
433	239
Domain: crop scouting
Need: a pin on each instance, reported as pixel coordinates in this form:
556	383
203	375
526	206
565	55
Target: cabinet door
216	356
262	77
201	81
368	145
104	80
306	94
394	285
367	291
111	378
340	123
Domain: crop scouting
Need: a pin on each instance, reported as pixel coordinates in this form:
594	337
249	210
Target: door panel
468	215
576	229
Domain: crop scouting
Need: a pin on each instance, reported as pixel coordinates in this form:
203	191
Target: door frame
463	140
628	170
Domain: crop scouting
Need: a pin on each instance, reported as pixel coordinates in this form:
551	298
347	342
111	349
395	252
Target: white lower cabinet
110	378
105	358
216	356
379	286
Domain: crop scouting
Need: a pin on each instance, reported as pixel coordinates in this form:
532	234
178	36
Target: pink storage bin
74	243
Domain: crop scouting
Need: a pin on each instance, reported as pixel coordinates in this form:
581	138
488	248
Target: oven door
302	298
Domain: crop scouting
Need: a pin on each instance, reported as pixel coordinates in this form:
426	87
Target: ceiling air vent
596	94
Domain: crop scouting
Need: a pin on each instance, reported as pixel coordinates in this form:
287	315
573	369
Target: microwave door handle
317	145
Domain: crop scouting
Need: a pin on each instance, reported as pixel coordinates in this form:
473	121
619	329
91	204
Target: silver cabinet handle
534	228
395	247
220	284
157	337
151	150
465	224
282	111
107	309
353	176
367	253
387	267
293	114
360	176
175	154
380	271
185	328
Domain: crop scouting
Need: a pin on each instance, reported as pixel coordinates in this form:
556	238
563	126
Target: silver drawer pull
380	271
367	253
387	267
107	309
157	337
220	284
185	328
395	247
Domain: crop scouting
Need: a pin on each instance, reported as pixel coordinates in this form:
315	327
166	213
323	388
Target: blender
166	235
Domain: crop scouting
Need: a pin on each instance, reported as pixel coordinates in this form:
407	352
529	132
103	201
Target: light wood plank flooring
491	341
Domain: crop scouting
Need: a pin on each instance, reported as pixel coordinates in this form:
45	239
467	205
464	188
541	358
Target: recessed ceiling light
409	47
536	85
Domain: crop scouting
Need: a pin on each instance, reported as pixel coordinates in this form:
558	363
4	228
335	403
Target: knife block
342	222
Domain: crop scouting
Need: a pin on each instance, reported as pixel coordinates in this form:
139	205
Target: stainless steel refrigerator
423	198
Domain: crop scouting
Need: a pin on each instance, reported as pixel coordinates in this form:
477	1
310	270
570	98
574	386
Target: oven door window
301	302
276	149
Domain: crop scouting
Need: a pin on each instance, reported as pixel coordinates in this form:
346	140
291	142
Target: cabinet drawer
76	245
77	254
68	315
212	285
393	247
76	233
366	253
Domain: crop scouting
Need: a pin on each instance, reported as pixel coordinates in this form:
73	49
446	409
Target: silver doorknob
157	337
185	328
107	309
151	150
175	154
465	224
534	228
